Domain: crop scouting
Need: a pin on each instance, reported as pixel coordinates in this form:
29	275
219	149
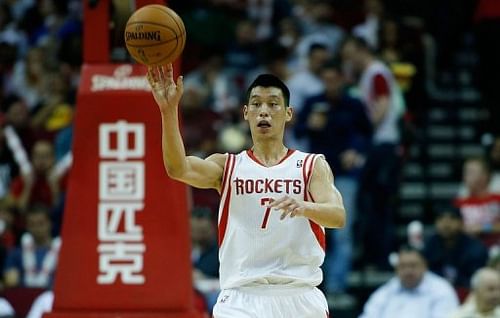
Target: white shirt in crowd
42	304
6	309
433	298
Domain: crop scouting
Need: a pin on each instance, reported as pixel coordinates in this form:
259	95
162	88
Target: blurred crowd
357	74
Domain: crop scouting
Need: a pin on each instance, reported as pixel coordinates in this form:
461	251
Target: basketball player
275	204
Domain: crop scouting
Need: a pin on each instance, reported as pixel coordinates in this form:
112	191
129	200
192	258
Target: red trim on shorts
252	156
225	209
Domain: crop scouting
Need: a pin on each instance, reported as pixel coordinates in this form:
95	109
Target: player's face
266	112
410	269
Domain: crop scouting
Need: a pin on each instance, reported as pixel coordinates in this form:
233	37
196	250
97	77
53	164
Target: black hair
316	46
447	209
407	248
38	208
359	42
269	80
333	64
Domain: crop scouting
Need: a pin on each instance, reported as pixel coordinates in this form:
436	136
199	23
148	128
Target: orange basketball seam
150	45
153	23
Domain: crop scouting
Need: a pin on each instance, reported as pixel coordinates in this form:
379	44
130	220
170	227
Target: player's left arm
327	209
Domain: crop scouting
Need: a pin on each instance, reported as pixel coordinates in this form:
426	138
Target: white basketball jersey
256	247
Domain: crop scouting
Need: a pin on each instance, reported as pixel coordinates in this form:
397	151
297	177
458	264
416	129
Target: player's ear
289	113
245	112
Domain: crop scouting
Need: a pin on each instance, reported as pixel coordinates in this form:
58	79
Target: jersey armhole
308	168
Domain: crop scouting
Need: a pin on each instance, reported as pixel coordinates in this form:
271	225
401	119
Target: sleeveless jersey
255	246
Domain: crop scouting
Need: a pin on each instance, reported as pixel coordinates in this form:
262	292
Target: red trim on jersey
225	209
316	228
226	172
318	232
252	156
304	175
310	171
288	154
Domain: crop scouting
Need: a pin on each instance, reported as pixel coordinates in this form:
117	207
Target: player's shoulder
218	158
321	166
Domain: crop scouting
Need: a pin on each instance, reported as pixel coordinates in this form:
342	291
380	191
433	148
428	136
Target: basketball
155	35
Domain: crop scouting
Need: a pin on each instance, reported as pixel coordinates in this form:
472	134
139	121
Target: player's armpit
328	208
203	173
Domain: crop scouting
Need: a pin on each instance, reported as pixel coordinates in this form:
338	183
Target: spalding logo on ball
155	35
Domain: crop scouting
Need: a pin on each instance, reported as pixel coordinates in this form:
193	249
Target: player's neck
269	154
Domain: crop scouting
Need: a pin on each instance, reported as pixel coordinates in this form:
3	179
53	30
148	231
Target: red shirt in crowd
483	213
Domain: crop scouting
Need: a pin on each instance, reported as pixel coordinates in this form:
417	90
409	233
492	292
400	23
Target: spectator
495	165
200	124
485	301
42	184
305	84
55	110
213	84
7	230
17	116
450	252
34	262
241	55
205	255
316	18
413	293
369	29
274	61
6	310
8	166
336	125
42	304
28	75
481	209
493	151
381	173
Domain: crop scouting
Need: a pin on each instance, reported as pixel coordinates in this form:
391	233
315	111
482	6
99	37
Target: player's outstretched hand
166	91
288	206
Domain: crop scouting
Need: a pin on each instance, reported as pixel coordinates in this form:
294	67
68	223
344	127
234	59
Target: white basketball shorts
259	302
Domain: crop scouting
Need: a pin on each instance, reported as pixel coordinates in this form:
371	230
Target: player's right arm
200	173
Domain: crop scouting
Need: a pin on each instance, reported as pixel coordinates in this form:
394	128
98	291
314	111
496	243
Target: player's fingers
275	202
170	72
284	202
180	84
149	75
296	211
283	215
163	76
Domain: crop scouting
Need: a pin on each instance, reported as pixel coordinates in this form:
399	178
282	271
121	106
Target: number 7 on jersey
263	202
